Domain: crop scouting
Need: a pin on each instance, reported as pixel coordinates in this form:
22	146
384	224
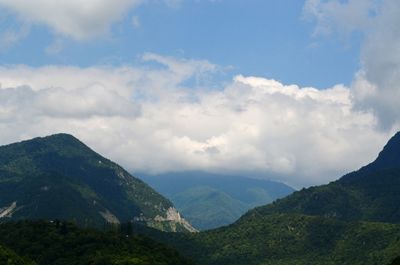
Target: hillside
60	177
49	243
370	194
285	239
210	200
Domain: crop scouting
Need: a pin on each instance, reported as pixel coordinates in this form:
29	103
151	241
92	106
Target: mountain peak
391	151
61	138
58	176
388	158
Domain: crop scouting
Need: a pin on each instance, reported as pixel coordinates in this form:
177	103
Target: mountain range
209	200
59	177
353	220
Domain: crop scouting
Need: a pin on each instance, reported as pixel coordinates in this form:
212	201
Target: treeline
58	243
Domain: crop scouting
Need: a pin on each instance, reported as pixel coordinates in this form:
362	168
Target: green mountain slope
60	177
212	200
285	239
371	193
63	243
206	207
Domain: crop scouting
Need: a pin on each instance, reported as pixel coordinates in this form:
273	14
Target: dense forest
58	243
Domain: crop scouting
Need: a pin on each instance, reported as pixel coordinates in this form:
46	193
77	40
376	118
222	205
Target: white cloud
145	118
376	86
77	19
335	16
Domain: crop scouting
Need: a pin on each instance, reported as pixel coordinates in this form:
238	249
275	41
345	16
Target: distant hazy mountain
210	200
60	177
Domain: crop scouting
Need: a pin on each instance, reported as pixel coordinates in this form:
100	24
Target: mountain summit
388	158
60	177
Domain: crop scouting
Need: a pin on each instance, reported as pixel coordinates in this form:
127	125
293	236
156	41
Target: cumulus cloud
77	19
147	118
377	85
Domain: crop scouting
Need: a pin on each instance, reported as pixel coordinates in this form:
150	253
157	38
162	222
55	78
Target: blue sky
273	39
300	91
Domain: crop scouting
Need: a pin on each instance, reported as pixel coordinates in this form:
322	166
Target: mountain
207	208
60	177
351	221
370	193
61	243
210	200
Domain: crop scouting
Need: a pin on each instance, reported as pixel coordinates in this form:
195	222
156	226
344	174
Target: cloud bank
147	119
164	115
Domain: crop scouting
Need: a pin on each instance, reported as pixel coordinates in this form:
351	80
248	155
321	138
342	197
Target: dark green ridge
60	177
388	158
369	194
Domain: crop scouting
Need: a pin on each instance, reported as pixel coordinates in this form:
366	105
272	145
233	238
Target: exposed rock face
109	217
174	217
7	211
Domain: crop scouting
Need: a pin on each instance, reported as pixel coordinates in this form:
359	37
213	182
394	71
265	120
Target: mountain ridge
388	157
58	176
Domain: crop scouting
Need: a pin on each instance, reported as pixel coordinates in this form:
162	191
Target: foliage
57	243
396	261
290	239
8	257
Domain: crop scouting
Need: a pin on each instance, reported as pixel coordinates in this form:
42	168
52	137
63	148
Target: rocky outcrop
7	211
175	218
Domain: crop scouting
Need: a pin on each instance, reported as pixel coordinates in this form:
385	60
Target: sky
298	91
